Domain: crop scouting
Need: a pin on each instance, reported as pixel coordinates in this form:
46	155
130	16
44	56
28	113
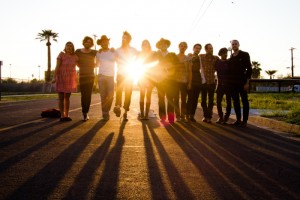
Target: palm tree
271	72
256	69
47	35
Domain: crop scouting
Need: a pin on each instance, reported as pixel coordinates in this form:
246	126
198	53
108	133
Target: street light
229	49
95	37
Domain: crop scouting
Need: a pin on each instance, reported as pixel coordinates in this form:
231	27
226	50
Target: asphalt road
47	159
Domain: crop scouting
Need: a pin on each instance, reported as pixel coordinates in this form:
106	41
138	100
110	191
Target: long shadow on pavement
20	156
80	187
178	185
228	166
12	136
108	183
45	181
156	183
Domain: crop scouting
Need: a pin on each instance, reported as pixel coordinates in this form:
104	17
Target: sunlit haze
267	29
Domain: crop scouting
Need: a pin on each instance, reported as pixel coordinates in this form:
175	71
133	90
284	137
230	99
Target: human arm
203	80
248	72
190	75
58	64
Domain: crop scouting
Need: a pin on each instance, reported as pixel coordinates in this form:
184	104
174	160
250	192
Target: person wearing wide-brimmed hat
105	61
166	85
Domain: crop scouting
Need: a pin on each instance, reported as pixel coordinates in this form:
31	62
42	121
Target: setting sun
136	69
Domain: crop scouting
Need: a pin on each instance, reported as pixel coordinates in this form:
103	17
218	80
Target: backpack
51	113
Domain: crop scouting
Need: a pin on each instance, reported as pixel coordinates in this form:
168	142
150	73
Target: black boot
142	110
221	119
147	111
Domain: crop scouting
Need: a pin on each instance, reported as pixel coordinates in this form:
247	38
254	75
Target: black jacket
239	68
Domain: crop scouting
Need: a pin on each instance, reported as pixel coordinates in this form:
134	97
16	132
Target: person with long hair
146	83
182	83
65	79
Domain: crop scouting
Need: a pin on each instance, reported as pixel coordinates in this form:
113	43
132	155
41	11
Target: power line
199	17
204	12
198	13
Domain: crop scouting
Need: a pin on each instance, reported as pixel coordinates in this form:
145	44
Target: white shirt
107	63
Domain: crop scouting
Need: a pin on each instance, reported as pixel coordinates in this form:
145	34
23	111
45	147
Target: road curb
275	124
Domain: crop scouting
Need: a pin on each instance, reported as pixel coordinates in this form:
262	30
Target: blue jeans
106	89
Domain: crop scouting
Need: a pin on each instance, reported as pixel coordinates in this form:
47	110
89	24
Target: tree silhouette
256	69
271	72
47	35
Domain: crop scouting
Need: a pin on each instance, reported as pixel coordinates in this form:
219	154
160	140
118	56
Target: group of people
179	79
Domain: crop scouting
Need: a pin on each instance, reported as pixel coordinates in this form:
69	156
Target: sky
266	29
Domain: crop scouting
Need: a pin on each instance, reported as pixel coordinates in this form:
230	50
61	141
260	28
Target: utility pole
39	72
0	78
292	58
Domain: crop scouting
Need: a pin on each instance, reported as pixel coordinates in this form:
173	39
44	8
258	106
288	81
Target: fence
274	85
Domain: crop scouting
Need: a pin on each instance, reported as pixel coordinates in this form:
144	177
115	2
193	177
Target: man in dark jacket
240	73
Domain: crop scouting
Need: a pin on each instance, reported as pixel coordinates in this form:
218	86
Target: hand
53	80
189	86
246	87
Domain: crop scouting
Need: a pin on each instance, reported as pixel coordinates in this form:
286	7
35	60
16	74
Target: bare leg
67	104
61	103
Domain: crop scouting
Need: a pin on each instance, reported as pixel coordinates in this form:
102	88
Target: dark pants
193	96
237	92
180	110
167	88
86	87
208	91
171	93
145	90
221	91
123	83
106	89
161	93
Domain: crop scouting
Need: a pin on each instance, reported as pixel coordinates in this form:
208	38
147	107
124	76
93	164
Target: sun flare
136	69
